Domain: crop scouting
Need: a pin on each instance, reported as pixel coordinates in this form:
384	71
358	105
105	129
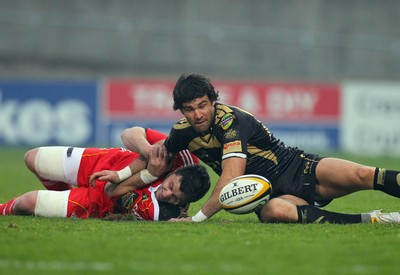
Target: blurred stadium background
323	75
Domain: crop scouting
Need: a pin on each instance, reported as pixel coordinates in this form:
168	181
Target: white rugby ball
245	194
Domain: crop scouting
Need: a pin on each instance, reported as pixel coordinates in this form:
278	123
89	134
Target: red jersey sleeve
154	136
184	158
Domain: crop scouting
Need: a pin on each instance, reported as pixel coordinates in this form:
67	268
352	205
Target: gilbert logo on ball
245	194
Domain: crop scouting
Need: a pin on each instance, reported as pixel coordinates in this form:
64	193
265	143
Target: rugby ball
245	194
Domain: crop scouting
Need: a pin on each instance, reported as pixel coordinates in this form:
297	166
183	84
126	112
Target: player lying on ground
233	142
59	168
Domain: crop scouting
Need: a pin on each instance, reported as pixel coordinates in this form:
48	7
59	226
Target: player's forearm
212	206
132	183
135	167
231	168
138	165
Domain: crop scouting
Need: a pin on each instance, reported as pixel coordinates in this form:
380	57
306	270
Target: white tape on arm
147	177
125	173
199	217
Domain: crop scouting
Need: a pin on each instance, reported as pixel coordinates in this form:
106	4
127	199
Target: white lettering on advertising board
151	97
38	122
281	102
371	117
249	100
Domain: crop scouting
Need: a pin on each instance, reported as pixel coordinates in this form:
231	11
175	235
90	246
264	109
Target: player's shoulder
229	110
227	115
181	124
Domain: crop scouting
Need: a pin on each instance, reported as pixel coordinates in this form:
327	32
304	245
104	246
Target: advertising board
305	114
371	118
47	113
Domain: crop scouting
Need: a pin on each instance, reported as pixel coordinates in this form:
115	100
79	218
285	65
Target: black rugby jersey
234	133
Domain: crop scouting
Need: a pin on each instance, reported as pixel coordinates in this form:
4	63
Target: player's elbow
126	137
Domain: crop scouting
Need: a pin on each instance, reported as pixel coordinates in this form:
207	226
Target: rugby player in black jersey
233	142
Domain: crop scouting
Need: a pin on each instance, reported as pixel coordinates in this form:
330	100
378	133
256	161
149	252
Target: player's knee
274	211
364	174
29	159
25	204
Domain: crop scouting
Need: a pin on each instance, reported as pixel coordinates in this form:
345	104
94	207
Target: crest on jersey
226	121
230	134
128	199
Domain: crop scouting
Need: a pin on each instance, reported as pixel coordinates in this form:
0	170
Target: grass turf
225	244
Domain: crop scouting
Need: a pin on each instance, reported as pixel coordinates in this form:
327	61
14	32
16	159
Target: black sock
313	214
387	181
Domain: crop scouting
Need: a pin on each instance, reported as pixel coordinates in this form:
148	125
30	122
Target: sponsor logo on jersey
226	121
233	146
127	200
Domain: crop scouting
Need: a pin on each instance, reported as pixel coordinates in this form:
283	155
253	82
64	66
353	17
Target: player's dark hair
195	182
188	87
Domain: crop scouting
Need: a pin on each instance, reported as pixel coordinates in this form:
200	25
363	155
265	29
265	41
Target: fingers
92	183
92	179
101	176
158	160
159	151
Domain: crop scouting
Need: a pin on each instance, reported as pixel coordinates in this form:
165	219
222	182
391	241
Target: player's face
199	113
169	190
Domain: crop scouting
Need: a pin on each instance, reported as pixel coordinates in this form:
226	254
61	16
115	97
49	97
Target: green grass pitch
226	244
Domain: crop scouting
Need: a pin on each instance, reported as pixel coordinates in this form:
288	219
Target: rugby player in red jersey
67	173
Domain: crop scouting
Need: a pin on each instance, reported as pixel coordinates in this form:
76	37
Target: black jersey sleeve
176	140
170	142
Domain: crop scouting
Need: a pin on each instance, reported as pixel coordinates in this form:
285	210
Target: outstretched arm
132	183
231	168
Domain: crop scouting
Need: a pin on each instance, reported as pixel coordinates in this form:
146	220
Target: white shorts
59	163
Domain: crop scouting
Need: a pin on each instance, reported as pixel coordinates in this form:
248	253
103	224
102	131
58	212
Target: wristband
147	177
199	217
124	173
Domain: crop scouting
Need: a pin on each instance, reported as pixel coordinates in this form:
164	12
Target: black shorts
299	179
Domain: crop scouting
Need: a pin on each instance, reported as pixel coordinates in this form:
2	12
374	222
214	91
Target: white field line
71	266
131	265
